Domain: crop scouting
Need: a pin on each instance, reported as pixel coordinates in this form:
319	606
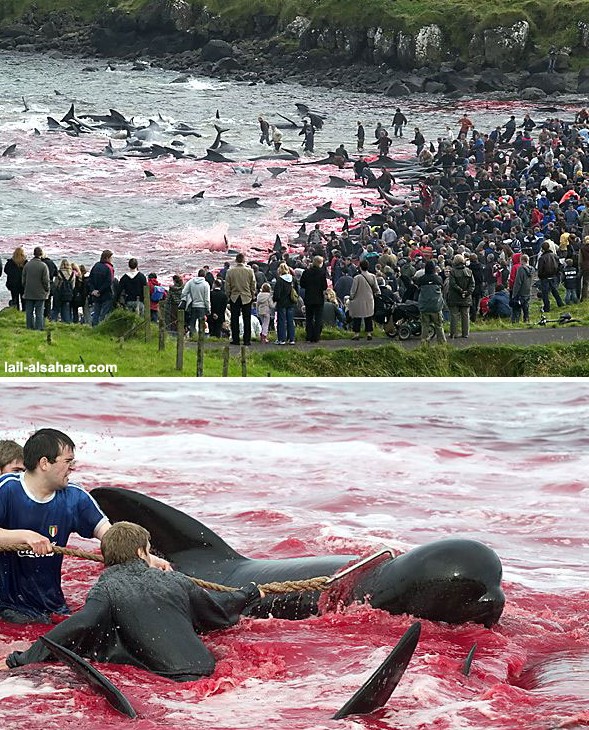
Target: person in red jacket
157	294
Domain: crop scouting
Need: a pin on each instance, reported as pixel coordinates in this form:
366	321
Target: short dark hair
106	255
48	443
201	272
240	258
364	265
121	542
133	263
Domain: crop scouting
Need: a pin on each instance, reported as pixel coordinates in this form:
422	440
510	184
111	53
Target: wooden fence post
180	340
147	311
161	323
225	361
200	347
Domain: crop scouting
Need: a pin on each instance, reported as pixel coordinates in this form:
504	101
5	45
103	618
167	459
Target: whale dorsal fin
172	532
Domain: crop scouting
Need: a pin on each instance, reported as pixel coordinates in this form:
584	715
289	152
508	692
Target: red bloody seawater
286	469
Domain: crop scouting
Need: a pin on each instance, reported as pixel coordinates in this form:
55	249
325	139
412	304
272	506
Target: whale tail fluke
375	692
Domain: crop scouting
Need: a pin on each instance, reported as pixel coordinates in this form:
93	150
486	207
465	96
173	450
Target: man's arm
80	632
39	544
217	610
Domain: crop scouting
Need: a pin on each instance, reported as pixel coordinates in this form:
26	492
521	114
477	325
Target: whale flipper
91	675
375	692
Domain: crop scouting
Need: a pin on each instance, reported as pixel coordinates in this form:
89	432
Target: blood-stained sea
63	193
283	469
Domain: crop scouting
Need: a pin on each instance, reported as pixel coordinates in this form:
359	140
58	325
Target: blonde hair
330	296
19	256
65	267
121	542
283	268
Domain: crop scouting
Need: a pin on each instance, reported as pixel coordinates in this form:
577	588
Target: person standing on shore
314	283
216	318
399	121
196	296
548	269
264	131
460	288
361	303
100	286
131	286
284	295
13	269
360	136
522	290
240	287
264	309
36	287
465	125
418	140
430	303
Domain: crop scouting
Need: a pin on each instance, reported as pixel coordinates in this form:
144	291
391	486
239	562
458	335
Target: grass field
64	350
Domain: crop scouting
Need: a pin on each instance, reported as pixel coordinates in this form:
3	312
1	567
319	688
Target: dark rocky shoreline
216	51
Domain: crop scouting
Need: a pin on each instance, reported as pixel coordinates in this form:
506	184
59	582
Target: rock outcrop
266	48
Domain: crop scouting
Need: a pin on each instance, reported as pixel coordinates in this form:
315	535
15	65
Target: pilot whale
452	580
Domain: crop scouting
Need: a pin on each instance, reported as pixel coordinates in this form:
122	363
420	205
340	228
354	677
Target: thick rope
311	584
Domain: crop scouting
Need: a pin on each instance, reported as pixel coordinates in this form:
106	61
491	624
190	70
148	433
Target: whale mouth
491	607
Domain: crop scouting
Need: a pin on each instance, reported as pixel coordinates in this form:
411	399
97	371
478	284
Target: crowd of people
502	215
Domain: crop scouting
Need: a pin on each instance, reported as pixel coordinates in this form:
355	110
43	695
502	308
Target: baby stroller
404	321
383	309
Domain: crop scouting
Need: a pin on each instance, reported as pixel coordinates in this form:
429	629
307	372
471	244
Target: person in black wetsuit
138	615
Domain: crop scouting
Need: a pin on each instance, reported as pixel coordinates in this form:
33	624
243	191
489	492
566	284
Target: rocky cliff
192	39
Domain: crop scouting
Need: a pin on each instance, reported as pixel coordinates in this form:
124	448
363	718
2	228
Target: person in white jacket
196	297
264	309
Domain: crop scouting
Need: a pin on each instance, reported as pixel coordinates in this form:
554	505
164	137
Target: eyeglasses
69	461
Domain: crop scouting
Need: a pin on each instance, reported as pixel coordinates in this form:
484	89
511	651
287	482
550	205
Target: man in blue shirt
40	508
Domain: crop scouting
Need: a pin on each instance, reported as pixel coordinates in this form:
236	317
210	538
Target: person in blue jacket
499	303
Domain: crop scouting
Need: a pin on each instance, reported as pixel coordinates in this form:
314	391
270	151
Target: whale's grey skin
453	580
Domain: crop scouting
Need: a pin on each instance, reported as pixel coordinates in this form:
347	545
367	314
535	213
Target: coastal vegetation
120	340
550	21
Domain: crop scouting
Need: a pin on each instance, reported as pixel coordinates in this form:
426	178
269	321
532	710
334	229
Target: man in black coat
219	301
100	286
139	615
314	282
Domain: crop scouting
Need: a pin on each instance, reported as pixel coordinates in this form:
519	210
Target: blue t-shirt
29	583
